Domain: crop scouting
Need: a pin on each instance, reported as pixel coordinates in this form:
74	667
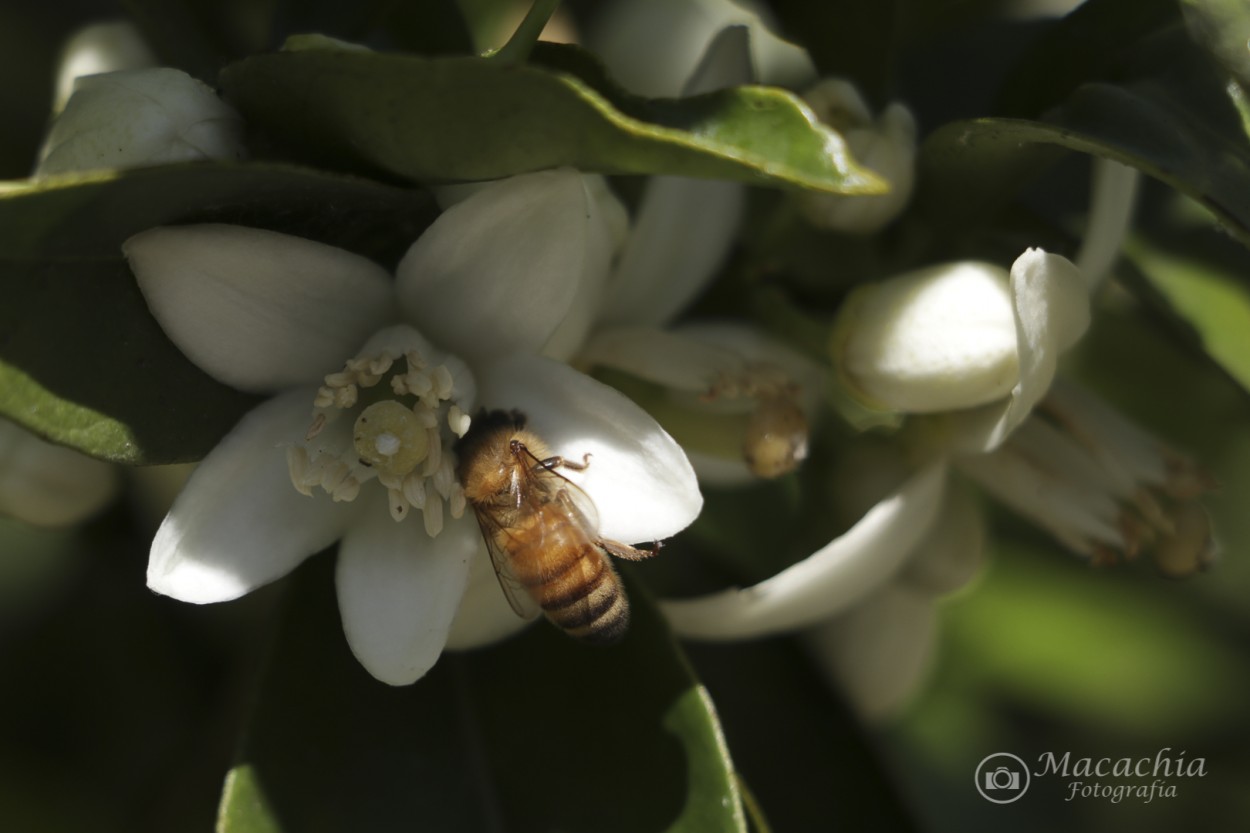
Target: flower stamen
398	440
776	437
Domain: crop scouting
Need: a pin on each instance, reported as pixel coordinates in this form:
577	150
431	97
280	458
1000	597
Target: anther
318	423
398	506
346	491
433	512
458	421
443	382
297	465
414	490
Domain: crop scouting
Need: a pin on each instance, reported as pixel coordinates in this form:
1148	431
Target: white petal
586	305
725	63
239	523
931	340
758	347
659	356
49	485
684	227
827	582
258	310
1110	214
653	47
954	549
639	479
682	235
141	117
887	147
1051	304
1048	492
484	617
879	652
399	589
498	272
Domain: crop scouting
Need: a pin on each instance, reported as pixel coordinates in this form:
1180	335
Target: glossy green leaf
538	733
1163	107
1222	27
1214	302
809	762
447	119
82	361
971	167
84	364
1097	41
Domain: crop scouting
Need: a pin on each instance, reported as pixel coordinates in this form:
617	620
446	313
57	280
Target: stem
517	50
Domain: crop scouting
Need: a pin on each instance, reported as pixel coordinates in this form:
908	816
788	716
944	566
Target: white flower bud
141	117
100	47
885	145
937	339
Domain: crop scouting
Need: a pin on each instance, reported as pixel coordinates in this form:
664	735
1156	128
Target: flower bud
886	145
100	47
937	339
141	117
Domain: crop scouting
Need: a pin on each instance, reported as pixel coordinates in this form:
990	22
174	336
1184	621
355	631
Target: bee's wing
518	597
576	505
580	509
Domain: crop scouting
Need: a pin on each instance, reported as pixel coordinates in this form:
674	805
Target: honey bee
542	531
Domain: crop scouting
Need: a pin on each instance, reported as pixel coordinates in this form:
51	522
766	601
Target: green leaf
1222	27
1215	302
449	119
808	761
538	733
84	364
1098	41
969	168
1163	106
82	361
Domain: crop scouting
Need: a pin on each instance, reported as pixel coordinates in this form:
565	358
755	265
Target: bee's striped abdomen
585	599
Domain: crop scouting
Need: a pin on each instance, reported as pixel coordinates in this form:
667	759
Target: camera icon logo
1002	778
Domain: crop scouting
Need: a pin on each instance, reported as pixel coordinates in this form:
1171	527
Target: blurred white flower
968	337
866	602
885	145
140	117
971	351
652	46
49	485
476	299
1106	489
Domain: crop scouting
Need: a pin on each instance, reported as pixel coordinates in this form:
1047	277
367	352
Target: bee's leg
553	463
625	551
